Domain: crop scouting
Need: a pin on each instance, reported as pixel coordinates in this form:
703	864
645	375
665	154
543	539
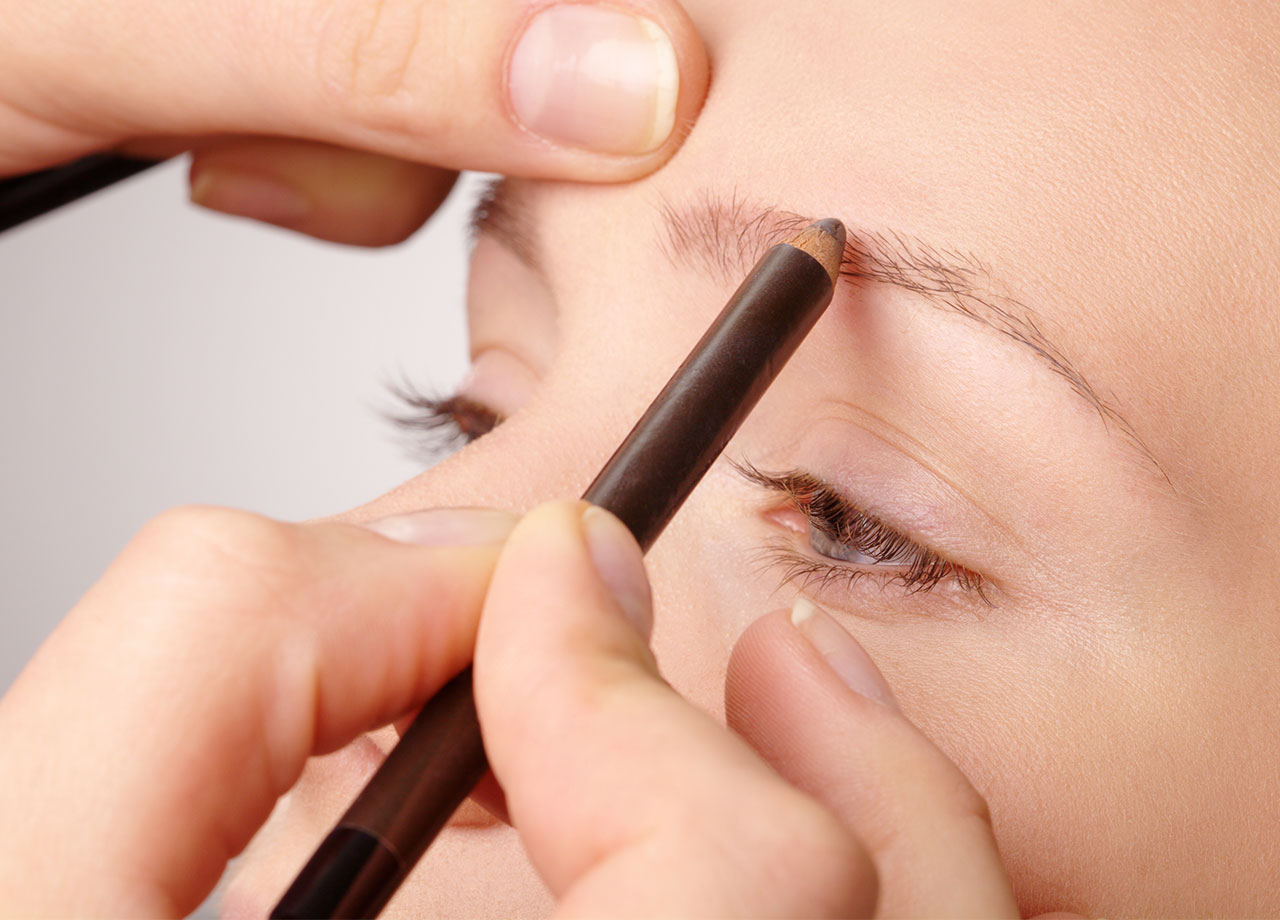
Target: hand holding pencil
126	789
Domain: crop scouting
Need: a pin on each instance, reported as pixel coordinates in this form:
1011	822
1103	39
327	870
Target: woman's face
1056	371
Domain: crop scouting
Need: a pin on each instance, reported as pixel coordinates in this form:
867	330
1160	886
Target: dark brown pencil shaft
437	762
23	198
440	758
700	409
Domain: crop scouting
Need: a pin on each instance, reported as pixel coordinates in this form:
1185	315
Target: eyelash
919	569
438	425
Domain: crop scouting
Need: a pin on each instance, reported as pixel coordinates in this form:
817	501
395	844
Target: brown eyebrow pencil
440	758
23	198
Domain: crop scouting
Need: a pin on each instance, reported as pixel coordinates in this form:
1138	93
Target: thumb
629	800
803	692
552	90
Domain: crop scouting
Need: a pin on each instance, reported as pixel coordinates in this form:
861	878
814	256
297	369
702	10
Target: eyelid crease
883	430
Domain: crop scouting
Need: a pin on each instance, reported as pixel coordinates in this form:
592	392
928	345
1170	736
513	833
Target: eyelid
438	426
500	380
849	417
906	483
509	308
920	568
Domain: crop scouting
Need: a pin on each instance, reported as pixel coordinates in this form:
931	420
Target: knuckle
370	56
220	552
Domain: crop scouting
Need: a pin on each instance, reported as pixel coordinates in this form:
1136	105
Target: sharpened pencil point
834	227
824	240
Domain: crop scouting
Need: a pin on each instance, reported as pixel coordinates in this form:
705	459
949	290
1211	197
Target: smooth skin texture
1112	170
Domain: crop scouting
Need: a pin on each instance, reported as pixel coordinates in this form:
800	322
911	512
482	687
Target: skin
1115	172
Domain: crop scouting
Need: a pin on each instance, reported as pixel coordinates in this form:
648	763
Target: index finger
152	734
586	91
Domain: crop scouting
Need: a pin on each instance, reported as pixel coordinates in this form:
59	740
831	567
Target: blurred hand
348	119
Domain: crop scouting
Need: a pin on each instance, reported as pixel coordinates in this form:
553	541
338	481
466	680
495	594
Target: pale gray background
154	354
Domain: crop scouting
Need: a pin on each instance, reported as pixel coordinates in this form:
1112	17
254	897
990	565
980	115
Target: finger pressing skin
152	734
629	800
332	193
569	90
807	697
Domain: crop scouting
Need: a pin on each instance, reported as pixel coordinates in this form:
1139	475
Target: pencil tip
833	227
824	240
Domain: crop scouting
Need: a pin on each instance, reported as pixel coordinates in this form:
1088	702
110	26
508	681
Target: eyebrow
727	234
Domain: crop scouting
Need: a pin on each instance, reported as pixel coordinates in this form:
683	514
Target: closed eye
846	542
436	426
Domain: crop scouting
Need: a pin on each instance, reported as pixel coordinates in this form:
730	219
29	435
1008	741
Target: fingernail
250	195
620	565
447	527
595	78
842	652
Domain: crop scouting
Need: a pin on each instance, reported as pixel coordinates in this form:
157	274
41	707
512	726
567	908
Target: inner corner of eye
788	517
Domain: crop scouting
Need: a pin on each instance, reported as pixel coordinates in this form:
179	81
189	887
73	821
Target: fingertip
908	802
612	91
619	562
844	655
549	533
552	626
447	526
589	553
693	71
759	678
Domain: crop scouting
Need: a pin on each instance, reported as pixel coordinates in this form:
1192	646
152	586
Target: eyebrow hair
727	234
500	213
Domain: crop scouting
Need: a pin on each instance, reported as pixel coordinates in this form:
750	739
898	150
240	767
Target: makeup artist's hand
631	801
152	733
357	94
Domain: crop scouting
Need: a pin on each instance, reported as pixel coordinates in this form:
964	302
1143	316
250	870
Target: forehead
1117	165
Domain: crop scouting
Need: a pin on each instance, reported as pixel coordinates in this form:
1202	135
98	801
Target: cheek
707	589
1019	713
1089	747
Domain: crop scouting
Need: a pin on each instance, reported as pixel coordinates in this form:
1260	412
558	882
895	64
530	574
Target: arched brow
726	235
